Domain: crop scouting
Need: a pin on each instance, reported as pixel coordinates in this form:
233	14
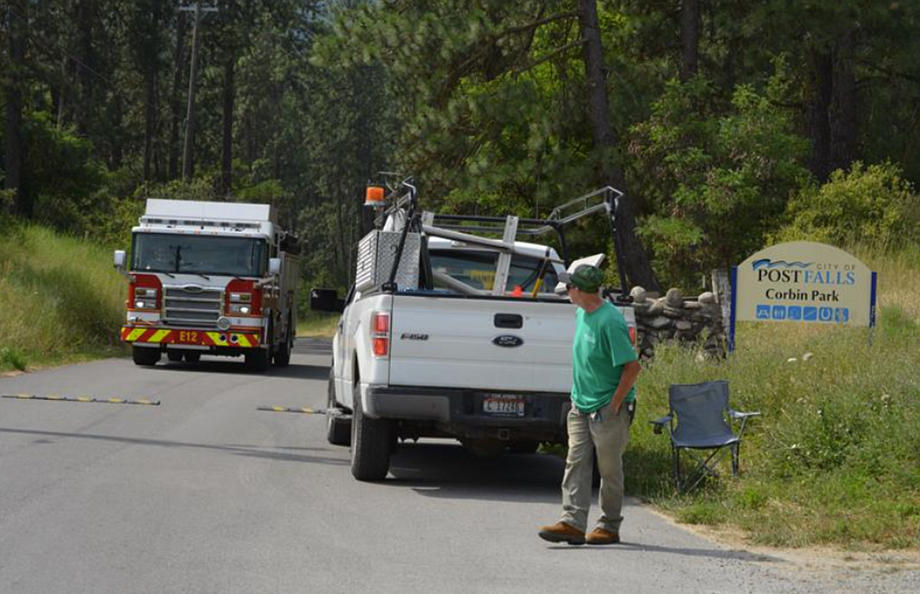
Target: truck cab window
477	269
198	254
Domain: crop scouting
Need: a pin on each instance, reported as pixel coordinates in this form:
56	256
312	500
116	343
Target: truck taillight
242	299
145	293
380	333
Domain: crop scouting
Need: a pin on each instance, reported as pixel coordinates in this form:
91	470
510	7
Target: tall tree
689	38
14	80
175	100
638	268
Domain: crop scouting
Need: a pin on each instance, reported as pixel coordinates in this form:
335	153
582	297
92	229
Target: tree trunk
188	158
636	263
13	179
149	121
85	66
175	104
817	112
226	177
689	39
843	122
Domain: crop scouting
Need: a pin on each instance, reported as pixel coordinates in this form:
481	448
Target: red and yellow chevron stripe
197	337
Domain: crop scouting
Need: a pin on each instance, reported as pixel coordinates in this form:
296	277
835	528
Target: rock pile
673	318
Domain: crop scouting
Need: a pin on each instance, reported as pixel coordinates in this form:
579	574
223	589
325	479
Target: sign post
805	282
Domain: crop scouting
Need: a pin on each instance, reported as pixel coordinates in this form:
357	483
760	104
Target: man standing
604	371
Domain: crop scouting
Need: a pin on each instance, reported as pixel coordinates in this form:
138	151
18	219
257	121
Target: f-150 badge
408	336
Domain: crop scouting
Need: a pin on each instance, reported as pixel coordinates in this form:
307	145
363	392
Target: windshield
477	269
197	254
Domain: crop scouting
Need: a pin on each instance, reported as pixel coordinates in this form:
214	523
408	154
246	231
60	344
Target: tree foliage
300	102
872	204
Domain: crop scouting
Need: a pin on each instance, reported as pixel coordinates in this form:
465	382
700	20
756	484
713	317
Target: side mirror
326	300
274	266
120	259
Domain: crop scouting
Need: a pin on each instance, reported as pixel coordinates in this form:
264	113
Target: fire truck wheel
370	443
338	431
283	355
257	359
145	356
174	356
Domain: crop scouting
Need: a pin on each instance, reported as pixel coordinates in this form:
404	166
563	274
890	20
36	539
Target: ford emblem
507	340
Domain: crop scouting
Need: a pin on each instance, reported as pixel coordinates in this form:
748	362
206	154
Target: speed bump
57	398
305	410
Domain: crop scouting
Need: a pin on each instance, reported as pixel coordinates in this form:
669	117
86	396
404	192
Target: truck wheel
257	359
370	443
338	431
192	357
145	356
283	355
174	356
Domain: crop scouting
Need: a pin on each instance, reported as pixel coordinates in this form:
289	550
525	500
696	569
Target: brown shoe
602	536
562	532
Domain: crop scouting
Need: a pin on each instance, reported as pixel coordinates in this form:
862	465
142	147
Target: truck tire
257	359
371	443
283	354
174	356
338	431
145	356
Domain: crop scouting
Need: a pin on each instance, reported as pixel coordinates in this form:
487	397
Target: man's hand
630	373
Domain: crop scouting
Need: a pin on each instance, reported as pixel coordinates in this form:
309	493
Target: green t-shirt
599	352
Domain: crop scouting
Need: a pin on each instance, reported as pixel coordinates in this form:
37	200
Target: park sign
803	282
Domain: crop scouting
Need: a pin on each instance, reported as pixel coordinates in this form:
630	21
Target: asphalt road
204	493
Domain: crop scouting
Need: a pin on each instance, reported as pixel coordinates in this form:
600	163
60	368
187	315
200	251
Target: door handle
509	320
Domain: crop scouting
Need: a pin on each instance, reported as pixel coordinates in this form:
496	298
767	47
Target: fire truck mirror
274	266
120	258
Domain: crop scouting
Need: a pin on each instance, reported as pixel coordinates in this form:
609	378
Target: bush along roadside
61	300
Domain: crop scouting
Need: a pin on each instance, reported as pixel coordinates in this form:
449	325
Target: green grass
835	458
60	299
317	324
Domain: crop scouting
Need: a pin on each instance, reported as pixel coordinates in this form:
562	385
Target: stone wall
673	318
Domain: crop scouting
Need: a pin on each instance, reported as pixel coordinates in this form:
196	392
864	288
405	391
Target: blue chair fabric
700	418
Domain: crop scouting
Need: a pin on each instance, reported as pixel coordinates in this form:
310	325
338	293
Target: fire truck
210	278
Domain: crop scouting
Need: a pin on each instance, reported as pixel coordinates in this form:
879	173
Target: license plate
506	405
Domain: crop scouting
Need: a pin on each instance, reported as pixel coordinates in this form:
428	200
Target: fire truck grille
193	308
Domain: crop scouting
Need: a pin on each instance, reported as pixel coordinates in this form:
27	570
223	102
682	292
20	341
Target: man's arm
627	379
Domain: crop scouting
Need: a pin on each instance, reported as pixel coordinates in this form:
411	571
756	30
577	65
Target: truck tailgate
455	342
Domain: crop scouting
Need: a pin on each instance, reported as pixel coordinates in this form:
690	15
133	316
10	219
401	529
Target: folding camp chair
697	421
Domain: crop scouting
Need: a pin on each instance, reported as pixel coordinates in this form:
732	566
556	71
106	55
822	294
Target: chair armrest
742	415
661	423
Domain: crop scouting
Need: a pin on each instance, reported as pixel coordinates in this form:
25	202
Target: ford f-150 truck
450	353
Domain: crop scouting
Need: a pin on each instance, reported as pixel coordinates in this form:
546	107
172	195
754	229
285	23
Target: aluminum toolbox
376	253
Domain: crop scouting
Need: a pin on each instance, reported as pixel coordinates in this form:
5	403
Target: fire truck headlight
240	309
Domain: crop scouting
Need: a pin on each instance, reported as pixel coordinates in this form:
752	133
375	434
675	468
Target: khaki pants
608	435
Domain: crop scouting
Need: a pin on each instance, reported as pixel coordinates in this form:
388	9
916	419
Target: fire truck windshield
199	254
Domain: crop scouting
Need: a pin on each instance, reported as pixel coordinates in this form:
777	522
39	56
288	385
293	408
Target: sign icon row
798	313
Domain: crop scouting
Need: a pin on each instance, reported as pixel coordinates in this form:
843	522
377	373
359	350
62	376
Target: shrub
873	205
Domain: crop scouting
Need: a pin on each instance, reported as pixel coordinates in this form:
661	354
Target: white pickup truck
493	371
